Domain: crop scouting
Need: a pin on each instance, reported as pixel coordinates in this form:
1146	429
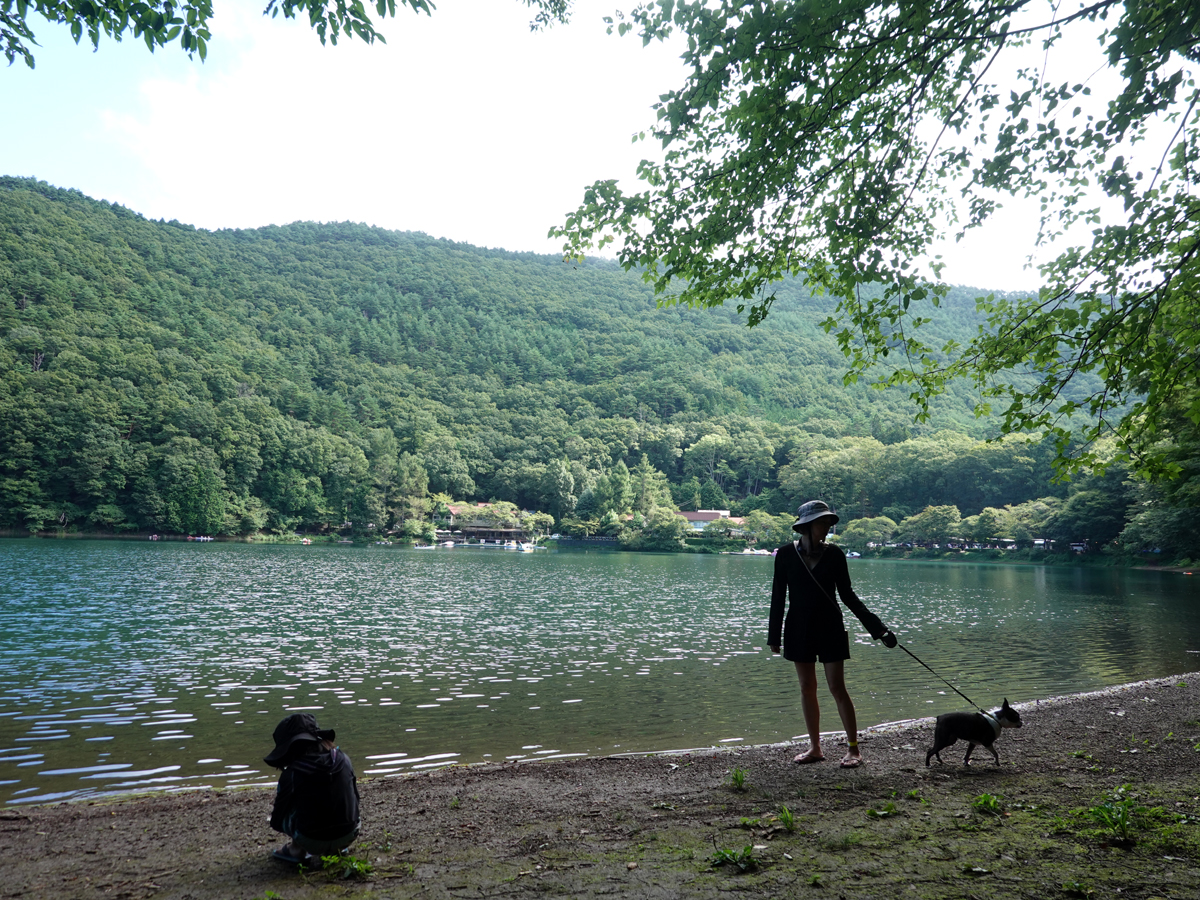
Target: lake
162	666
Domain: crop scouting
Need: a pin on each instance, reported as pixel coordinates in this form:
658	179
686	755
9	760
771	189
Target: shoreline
641	825
836	734
1058	561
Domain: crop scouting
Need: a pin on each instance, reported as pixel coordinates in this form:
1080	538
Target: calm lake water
163	666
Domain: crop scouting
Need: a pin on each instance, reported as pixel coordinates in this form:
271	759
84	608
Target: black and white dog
974	728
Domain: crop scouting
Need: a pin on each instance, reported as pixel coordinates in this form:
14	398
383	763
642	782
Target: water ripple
130	666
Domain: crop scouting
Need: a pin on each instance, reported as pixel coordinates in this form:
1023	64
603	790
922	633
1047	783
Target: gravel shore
1098	795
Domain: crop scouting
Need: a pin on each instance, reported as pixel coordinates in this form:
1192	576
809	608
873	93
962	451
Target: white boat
446	544
424	547
528	547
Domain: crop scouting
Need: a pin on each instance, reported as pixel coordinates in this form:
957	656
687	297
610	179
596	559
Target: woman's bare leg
807	673
835	677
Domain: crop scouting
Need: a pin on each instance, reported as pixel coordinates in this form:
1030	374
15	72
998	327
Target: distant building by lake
701	517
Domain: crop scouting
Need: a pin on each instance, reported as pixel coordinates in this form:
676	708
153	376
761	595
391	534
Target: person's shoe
286	854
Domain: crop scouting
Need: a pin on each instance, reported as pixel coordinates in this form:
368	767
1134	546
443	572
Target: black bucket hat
296	727
811	511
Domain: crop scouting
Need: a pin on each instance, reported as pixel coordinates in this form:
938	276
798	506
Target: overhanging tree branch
163	22
795	148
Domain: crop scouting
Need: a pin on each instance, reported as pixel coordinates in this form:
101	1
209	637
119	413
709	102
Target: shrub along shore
1098	795
1024	557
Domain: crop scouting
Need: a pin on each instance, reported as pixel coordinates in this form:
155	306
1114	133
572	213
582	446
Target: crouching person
316	802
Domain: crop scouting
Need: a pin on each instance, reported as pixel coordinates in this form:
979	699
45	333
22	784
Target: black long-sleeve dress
813	625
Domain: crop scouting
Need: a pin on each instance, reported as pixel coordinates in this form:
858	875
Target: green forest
323	378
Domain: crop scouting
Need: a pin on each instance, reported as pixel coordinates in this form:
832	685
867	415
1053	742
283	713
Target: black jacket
320	788
813	608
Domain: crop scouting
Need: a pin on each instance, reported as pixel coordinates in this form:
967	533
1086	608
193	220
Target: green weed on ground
988	804
743	860
346	866
787	819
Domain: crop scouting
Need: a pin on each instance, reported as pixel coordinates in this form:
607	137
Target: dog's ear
1004	705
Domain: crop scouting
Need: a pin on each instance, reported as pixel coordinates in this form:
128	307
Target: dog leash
898	644
939	677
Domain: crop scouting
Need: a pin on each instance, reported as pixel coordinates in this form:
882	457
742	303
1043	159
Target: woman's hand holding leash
881	632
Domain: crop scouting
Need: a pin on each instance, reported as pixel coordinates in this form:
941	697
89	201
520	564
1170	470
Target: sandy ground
1097	796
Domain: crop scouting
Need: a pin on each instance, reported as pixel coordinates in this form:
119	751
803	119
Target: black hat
811	511
296	727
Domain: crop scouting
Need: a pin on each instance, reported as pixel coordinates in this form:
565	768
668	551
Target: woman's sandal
307	859
805	758
283	856
851	762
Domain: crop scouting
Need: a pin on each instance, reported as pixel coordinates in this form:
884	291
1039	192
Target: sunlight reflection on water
165	666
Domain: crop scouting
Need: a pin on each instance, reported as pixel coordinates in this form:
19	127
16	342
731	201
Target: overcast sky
464	125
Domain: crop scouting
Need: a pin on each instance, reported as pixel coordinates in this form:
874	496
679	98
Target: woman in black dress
807	572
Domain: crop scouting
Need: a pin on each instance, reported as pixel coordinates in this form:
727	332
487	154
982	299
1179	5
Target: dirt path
1037	826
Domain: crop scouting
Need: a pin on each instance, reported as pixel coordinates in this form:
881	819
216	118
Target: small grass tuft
346	866
988	804
737	779
1117	814
743	860
787	819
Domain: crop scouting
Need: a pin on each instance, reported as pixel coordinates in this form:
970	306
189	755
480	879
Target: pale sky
465	125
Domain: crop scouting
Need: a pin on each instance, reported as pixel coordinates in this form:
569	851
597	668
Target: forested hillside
160	377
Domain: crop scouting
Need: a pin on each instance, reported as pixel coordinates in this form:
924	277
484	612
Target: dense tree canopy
838	140
156	377
160	377
162	22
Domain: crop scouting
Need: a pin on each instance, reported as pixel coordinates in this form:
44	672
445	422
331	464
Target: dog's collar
993	721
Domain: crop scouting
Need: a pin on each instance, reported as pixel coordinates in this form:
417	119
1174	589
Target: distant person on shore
807	571
316	802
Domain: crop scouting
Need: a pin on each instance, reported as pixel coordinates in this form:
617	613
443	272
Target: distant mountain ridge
157	375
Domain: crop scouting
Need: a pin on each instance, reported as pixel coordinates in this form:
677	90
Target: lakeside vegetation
342	378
